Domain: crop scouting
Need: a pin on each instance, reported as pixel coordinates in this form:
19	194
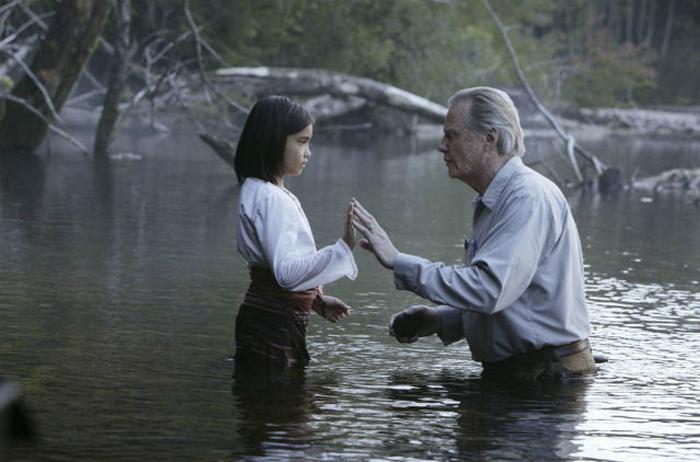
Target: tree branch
202	73
598	166
24	103
37	82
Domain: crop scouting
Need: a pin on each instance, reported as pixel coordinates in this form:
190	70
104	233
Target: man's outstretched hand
376	240
414	322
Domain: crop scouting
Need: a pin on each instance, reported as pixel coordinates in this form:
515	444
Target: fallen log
644	121
259	81
225	149
678	179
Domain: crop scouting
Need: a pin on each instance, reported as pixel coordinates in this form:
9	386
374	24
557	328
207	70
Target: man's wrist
391	260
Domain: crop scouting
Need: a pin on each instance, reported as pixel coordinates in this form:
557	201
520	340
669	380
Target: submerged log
267	80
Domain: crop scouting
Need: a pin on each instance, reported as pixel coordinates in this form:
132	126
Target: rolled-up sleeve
500	271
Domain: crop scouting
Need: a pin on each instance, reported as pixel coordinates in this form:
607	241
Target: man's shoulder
529	183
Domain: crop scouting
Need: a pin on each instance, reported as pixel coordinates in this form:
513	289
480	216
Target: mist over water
119	288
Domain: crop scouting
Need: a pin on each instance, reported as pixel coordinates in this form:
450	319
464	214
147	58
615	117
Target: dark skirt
271	324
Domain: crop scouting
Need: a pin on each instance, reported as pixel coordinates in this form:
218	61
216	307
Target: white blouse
273	232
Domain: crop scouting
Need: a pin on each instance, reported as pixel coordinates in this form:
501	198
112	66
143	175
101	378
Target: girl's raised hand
349	233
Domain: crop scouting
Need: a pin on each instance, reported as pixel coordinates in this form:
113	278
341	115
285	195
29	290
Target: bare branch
35	18
22	53
598	166
180	101
22	102
9	6
202	73
37	82
83	96
198	47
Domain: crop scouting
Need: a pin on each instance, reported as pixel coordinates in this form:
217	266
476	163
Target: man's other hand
413	322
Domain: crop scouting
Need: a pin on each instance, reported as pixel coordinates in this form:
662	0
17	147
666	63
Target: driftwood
643	121
266	80
679	180
221	147
326	107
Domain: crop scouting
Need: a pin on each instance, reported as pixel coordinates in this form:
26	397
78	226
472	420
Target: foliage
584	52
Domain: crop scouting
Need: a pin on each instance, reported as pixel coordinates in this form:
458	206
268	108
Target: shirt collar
499	182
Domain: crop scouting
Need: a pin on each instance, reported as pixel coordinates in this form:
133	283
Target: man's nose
441	147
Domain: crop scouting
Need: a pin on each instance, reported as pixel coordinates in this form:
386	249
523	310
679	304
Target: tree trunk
667	30
267	80
117	79
60	59
651	21
629	22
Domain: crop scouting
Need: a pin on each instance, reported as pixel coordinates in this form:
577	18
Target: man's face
463	150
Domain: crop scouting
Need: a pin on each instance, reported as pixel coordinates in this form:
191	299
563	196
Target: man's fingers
361	228
364	215
358	217
362	212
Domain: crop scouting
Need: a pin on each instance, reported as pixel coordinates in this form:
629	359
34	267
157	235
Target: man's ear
492	137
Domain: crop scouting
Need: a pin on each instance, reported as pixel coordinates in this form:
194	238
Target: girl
275	238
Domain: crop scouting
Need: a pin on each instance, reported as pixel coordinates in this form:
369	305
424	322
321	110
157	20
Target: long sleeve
500	271
289	249
451	324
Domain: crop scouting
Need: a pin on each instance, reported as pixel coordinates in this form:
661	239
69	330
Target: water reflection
494	420
119	288
274	411
22	184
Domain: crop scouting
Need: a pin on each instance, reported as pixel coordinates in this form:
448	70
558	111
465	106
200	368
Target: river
119	289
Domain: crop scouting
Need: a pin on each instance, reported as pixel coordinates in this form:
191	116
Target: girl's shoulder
256	193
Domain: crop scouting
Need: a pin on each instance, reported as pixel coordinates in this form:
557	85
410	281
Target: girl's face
296	151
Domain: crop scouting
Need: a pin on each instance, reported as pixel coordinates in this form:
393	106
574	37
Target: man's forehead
456	117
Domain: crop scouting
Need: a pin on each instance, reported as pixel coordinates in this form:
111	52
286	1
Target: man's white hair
492	109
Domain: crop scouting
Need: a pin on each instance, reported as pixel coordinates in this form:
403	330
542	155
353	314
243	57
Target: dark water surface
119	288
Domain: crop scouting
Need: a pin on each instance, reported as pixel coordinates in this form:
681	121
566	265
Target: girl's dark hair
260	150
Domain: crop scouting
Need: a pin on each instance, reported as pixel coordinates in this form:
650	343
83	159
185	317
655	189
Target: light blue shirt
522	285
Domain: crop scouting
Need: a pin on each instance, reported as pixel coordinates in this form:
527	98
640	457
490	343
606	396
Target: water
119	288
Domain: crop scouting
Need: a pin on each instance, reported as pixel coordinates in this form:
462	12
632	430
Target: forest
574	54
